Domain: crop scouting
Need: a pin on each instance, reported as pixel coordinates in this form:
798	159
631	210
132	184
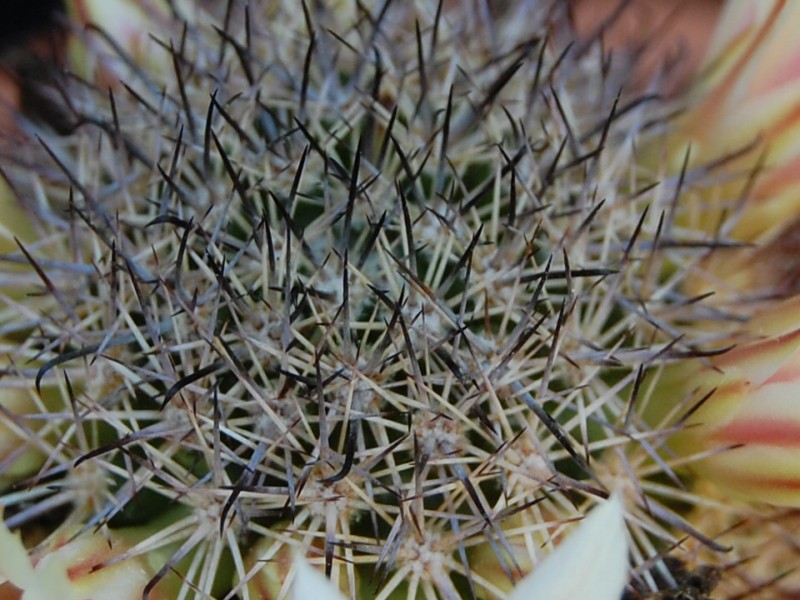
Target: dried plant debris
682	583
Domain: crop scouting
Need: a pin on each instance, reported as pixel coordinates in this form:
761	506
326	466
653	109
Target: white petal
15	565
51	581
310	584
590	564
46	582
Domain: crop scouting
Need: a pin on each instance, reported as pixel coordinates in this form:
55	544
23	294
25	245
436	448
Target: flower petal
47	582
591	564
311	584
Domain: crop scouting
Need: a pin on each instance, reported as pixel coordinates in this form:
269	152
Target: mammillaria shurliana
372	284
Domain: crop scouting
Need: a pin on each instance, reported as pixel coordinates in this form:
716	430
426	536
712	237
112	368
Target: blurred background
32	38
667	37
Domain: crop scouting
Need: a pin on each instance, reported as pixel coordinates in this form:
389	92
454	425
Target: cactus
372	283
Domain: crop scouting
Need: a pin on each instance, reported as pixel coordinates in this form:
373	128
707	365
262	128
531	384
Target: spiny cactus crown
374	283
